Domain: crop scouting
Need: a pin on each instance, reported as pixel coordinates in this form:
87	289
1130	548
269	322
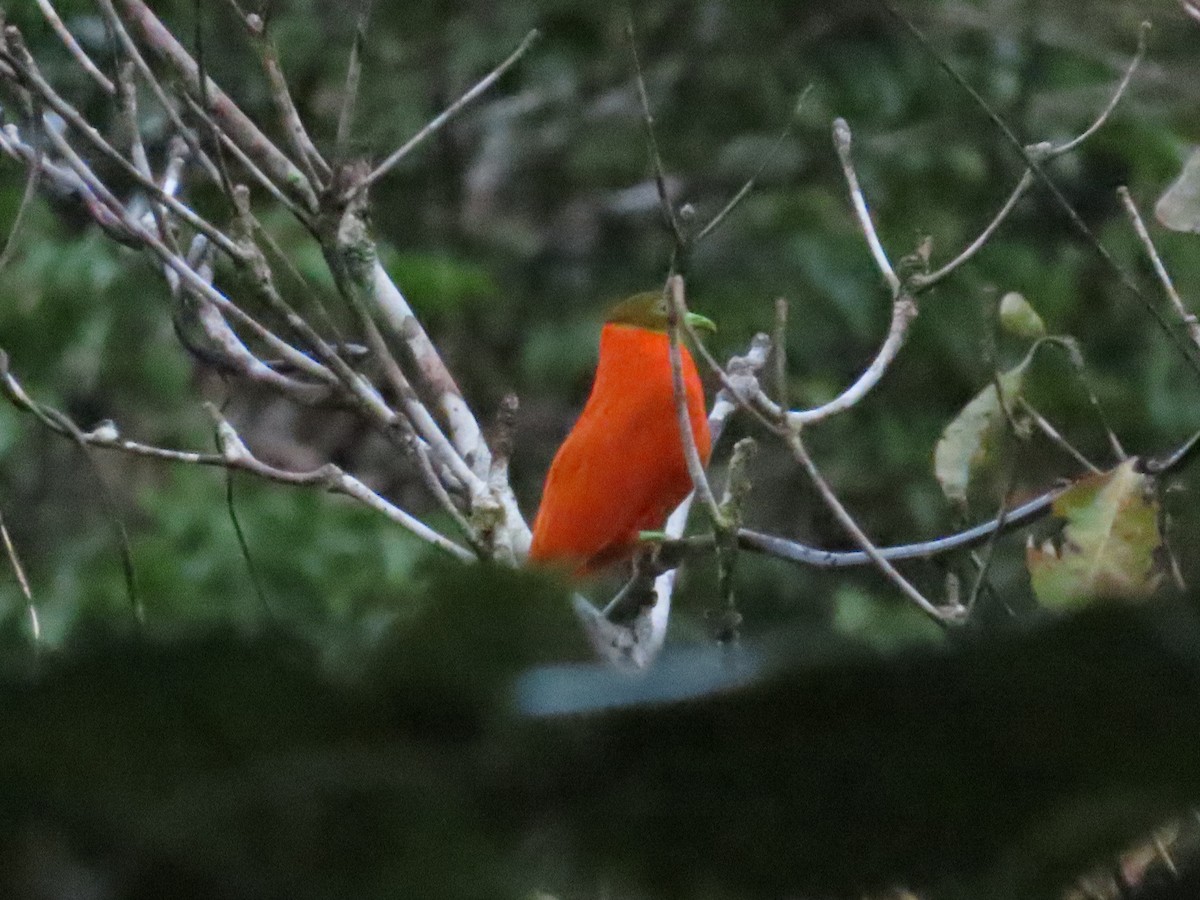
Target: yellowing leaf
967	447
1109	543
1179	208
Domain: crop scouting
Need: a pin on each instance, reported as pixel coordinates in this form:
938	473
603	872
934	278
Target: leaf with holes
967	448
1109	545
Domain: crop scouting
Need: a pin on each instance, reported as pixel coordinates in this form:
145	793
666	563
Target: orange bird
621	470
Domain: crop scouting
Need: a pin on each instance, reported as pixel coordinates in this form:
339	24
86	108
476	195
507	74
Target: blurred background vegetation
514	228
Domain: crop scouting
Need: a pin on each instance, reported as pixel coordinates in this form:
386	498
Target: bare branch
1057	439
1164	278
676	312
977	536
1045	151
115	224
660	176
437	122
63	181
224	140
224	111
23	62
1186	349
32	178
1138	56
361	278
415	410
305	150
73	47
192	281
904	311
234	455
940	615
921	281
353	73
35	625
841	143
746	188
131	51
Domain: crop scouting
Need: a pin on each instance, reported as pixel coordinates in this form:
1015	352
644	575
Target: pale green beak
701	323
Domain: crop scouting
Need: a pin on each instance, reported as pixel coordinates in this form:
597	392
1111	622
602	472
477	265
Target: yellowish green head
649	310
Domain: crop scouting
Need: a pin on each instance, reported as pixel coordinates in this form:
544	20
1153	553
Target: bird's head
649	310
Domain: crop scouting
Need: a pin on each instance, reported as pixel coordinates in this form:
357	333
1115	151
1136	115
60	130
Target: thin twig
73	47
1055	437
437	122
1138	56
780	342
746	188
244	547
305	150
206	100
841	143
660	175
904	311
35	625
922	281
796	445
225	112
676	312
31	184
350	88
108	501
1075	356
1164	278
989	549
131	51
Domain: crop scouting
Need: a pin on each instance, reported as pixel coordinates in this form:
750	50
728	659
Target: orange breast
621	470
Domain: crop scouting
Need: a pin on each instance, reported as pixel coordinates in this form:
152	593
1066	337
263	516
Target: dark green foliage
237	764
